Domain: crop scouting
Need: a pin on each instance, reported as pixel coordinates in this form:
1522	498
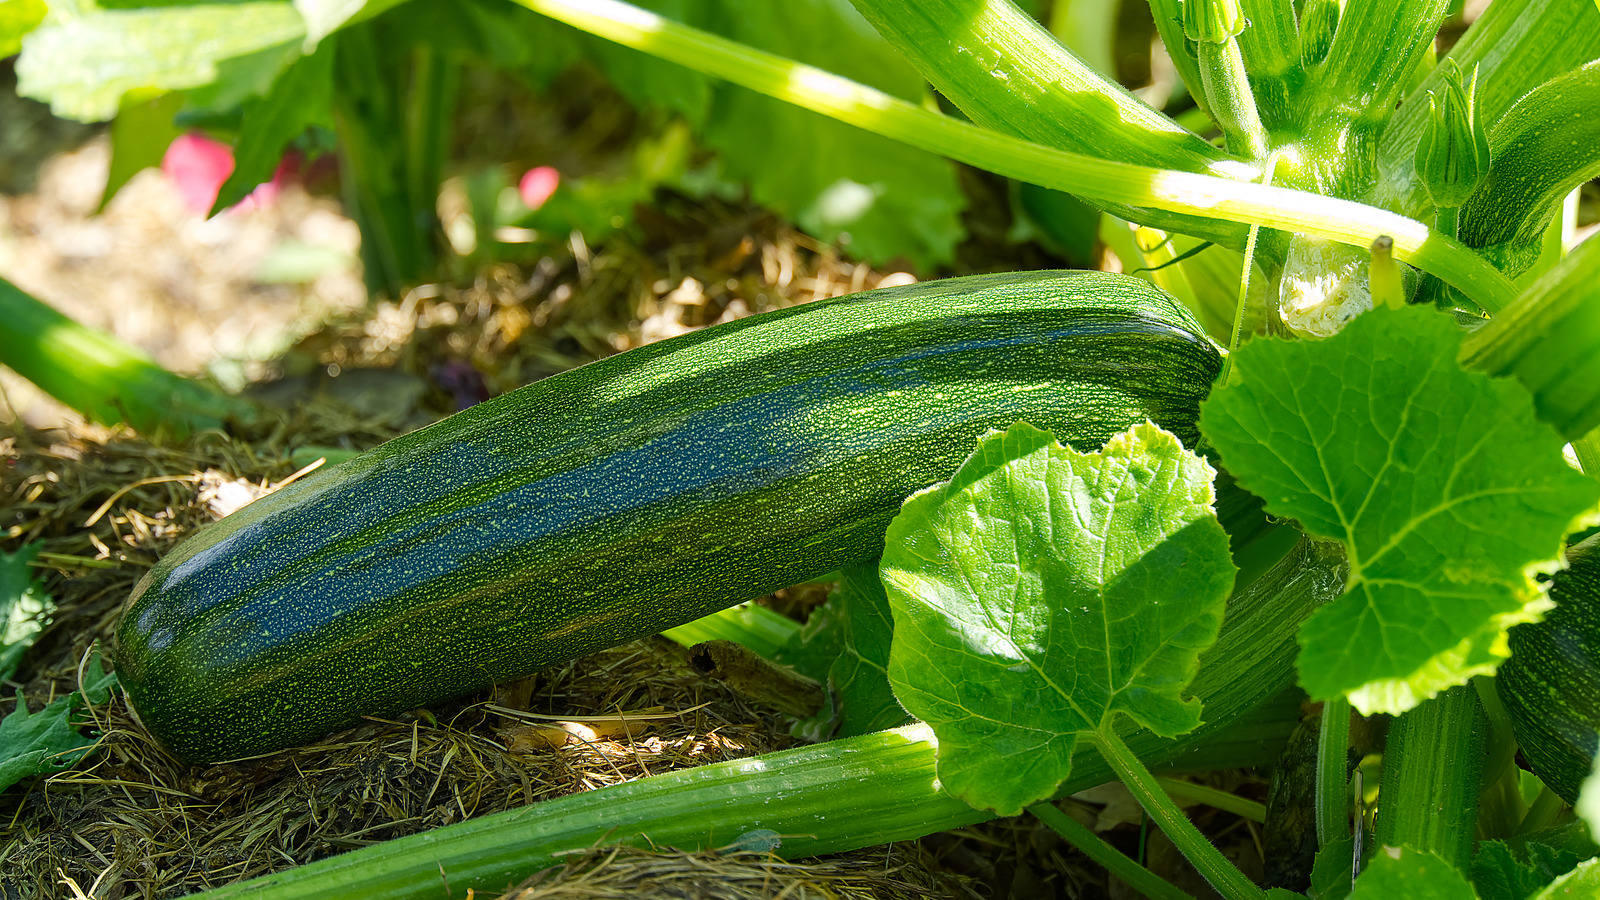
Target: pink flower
199	166
537	185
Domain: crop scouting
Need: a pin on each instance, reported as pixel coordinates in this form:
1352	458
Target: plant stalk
1204	855
101	377
1432	773
1214	798
1187	193
1587	449
753	627
1228	97
1113	860
1332	801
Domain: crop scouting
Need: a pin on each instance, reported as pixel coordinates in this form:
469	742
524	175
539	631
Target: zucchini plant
1061	603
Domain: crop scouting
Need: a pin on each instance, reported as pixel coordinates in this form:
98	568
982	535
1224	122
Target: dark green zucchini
626	497
1551	684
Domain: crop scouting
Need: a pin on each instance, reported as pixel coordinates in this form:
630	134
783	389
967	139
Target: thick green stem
1432	773
1333	772
101	377
1095	847
1500	807
1543	813
1204	855
1228	97
1188	193
1549	339
1446	219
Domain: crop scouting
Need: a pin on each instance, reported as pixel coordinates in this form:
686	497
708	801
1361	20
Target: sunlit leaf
1042	590
1445	490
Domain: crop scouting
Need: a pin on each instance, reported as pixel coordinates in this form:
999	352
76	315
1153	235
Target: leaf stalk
1217	869
1189	193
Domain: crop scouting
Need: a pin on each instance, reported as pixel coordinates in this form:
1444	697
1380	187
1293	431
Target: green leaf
139	137
1330	872
1583	881
24	606
1042	590
84	65
1499	874
17	18
845	643
1443	487
859	677
48	741
300	98
239	80
884	199
1402	872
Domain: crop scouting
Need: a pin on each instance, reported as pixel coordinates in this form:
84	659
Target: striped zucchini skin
1551	684
626	497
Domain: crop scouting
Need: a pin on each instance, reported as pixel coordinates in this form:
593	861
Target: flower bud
1453	154
1212	21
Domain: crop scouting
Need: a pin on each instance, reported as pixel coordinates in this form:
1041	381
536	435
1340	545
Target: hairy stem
1217	869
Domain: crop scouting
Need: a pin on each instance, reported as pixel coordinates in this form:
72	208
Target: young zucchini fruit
1551	684
626	497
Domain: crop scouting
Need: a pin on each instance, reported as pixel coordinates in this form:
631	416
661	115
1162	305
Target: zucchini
1551	683
626	497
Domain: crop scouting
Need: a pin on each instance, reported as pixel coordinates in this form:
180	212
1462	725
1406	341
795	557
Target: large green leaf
859	677
1443	487
324	17
143	130
1498	874
83	65
1041	591
1583	881
845	642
